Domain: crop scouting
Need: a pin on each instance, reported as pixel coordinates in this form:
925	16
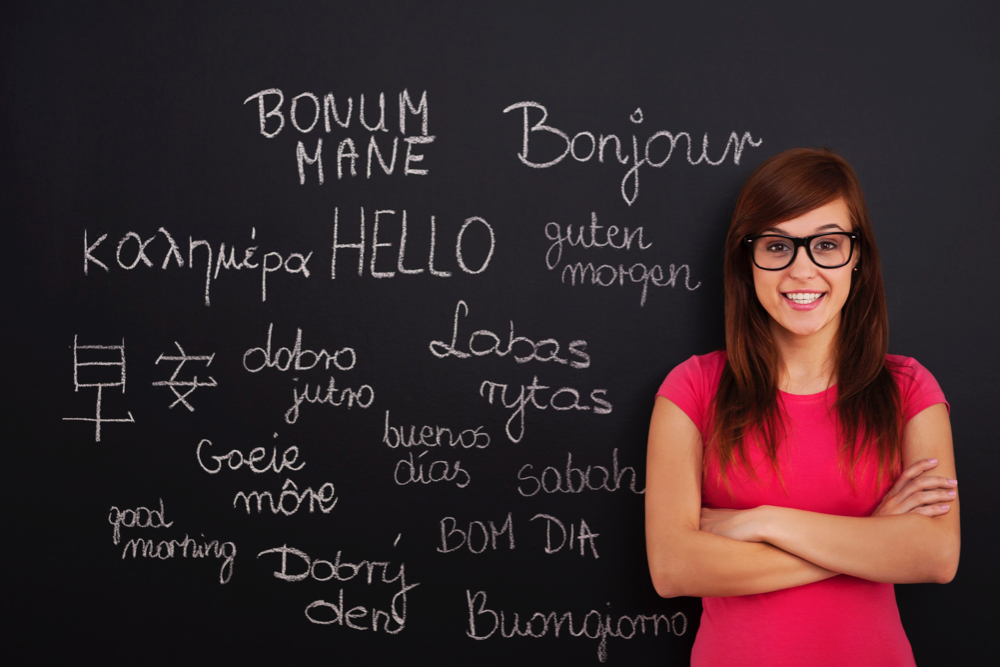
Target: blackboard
420	401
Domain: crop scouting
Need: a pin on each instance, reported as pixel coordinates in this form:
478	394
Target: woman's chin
800	329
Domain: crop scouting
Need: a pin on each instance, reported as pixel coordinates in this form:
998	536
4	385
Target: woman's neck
808	362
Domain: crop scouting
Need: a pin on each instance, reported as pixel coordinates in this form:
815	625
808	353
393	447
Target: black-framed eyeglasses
773	252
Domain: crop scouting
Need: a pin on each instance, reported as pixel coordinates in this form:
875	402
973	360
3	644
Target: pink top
839	621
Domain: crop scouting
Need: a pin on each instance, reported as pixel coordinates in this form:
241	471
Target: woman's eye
776	247
825	245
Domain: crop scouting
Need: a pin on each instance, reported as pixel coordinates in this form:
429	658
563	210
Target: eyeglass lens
774	252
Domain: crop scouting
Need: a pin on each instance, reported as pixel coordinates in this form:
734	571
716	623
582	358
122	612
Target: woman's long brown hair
747	405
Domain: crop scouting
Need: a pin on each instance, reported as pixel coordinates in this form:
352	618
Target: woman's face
805	317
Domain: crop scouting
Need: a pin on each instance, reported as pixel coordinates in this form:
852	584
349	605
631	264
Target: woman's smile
803	300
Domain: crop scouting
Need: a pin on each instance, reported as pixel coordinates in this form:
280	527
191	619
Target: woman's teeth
803	298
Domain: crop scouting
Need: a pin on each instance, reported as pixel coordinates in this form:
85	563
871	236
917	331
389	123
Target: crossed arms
913	536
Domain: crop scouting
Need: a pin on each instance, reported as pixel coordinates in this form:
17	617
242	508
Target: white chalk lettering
597	239
640	156
576	480
468	241
141	517
485	342
290	500
304	115
477	538
302	158
99	357
485	622
576	538
295	358
606	275
256	460
314	110
414	470
348	397
434	436
215	260
300	567
186	548
565	398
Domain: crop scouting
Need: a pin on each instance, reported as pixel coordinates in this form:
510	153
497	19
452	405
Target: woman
771	464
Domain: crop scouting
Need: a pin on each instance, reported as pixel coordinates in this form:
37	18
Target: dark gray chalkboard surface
335	327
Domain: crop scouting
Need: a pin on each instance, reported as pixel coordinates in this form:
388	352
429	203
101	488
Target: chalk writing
329	111
272	262
476	537
583	146
107	356
191	385
307	105
481	536
485	622
598	239
462	262
363	397
412	470
606	275
130	518
323	612
565	398
484	342
296	358
434	436
186	548
576	480
143	517
555	531
290	500
235	459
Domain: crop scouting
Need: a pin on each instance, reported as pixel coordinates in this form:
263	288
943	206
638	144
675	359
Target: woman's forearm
698	563
907	548
904	548
684	560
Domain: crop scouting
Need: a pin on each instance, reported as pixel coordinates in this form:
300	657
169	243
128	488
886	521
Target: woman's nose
802	267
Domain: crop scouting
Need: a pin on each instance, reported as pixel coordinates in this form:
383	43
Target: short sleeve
685	386
918	389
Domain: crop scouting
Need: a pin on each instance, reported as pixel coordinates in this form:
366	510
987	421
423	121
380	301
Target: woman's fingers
923	487
932	510
911	472
925	498
910	493
926	483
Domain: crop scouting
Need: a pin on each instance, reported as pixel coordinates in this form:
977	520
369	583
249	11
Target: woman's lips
794	305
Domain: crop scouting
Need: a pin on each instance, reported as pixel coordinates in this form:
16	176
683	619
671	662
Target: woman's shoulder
704	366
699	372
705	363
918	387
906	367
692	384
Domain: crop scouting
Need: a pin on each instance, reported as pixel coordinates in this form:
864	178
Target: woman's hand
928	495
742	525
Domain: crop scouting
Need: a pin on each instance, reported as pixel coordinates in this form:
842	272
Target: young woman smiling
795	476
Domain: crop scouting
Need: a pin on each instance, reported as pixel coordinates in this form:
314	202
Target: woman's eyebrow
822	228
